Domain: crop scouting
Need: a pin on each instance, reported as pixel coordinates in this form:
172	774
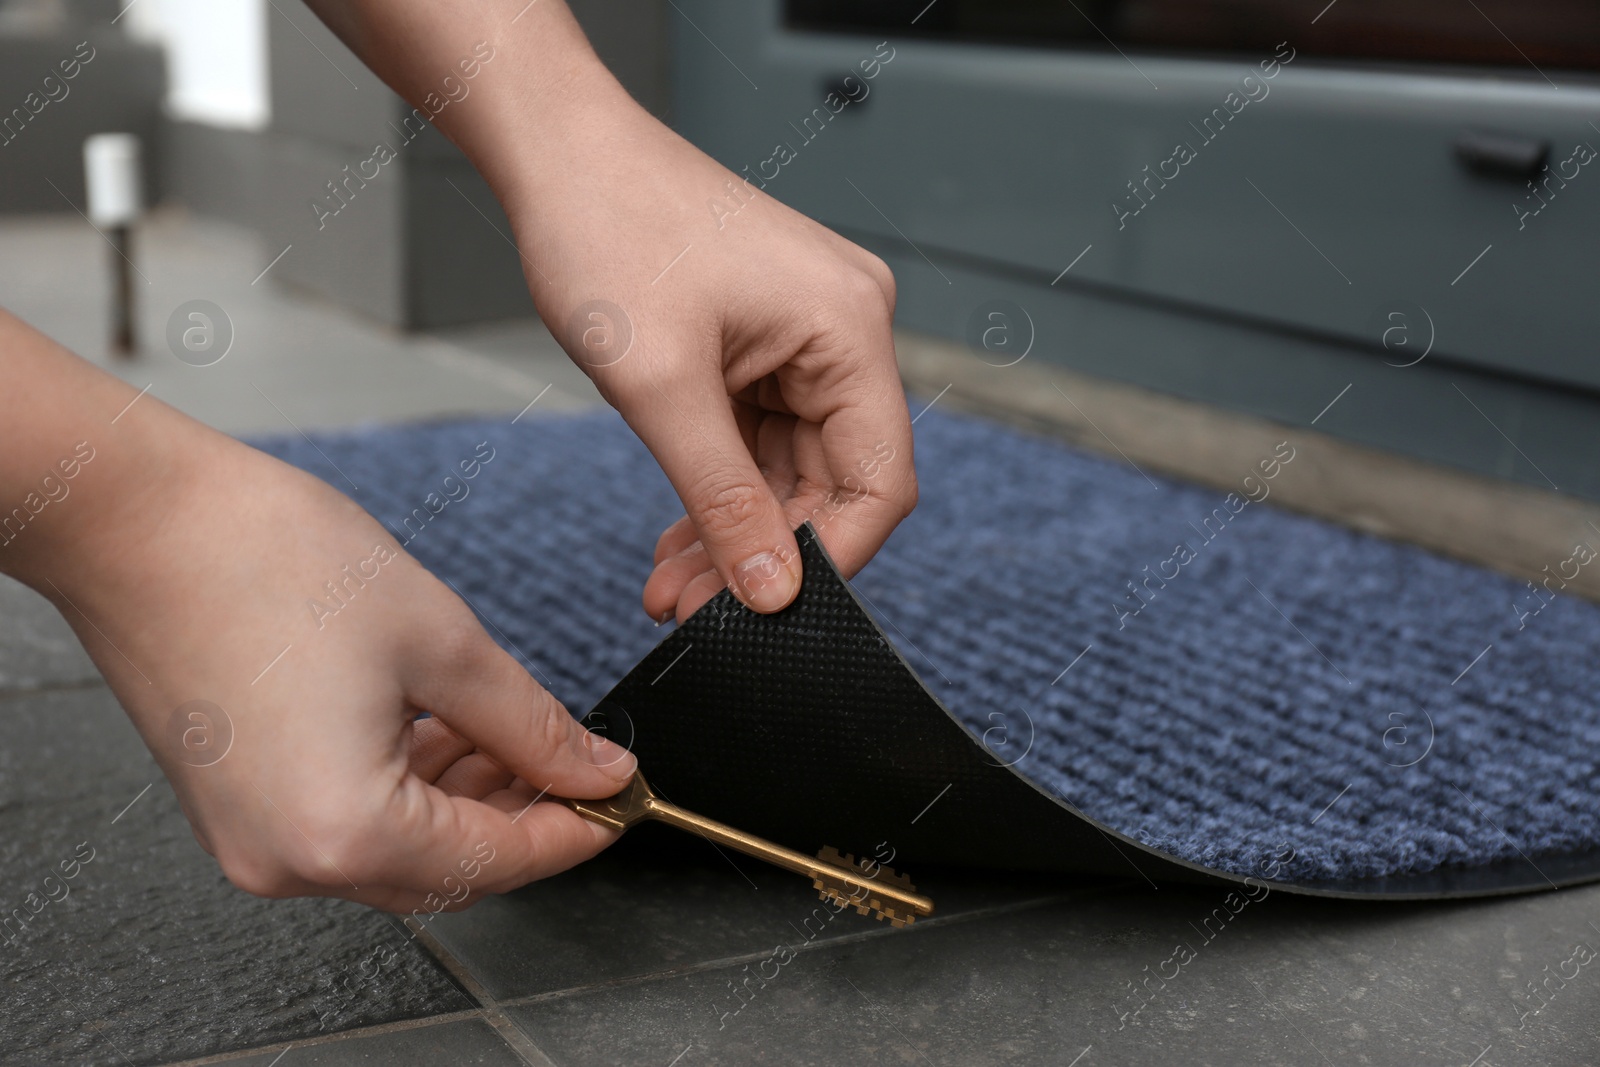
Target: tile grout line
509	1032
816	946
48	688
399	1026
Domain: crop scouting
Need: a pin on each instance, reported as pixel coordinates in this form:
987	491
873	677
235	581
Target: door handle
1502	155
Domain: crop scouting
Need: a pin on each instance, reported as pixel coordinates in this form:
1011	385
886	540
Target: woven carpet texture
1217	678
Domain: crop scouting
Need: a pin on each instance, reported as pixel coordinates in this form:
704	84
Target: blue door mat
1154	677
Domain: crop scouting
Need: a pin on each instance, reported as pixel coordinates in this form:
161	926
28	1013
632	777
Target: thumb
477	689
738	520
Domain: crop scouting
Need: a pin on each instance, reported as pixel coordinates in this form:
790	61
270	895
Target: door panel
1333	194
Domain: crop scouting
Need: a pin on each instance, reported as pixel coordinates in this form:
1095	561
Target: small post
116	198
122	290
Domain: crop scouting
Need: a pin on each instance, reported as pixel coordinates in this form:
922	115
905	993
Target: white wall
216	55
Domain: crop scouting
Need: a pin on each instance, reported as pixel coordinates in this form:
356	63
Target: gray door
1257	229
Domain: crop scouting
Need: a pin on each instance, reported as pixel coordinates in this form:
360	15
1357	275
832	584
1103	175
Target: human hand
749	347
314	779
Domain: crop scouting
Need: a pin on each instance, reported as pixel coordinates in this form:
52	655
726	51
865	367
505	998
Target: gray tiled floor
37	647
634	958
1289	981
464	1042
150	955
666	904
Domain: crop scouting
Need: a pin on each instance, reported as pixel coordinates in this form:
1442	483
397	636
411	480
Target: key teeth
829	854
889	875
874	905
878	909
866	867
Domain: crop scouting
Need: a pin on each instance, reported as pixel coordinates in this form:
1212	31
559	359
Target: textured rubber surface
1260	704
821	733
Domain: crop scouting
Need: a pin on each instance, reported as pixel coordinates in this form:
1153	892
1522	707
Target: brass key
865	886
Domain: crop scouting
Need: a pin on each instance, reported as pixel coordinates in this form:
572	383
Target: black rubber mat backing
807	727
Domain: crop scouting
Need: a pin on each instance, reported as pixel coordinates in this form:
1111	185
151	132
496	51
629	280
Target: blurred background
1368	218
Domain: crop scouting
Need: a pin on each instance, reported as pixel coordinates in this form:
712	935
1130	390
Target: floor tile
468	1043
147	954
661	901
37	647
69	746
1280	981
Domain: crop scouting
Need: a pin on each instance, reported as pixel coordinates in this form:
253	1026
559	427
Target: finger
434	747
410	905
680	557
682	583
867	448
696	592
544	838
404	903
771	434
695	438
511	800
664	588
484	695
473	776
816	495
660	596
675	538
448	848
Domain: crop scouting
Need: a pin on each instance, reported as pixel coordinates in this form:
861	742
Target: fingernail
609	756
765	582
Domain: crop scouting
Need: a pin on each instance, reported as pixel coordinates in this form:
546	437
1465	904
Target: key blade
866	886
